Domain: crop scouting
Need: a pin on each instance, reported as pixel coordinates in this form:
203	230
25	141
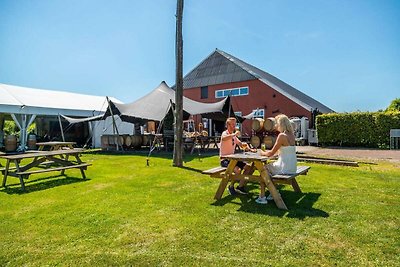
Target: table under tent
148	122
154	113
25	106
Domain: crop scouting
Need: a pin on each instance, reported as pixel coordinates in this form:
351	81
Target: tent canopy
23	100
78	120
155	106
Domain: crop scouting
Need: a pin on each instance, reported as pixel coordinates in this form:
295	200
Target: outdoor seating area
42	162
160	142
123	203
257	164
199	133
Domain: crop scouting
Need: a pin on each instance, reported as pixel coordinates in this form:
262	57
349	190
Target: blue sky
345	54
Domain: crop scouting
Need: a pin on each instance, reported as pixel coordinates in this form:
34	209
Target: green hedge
366	129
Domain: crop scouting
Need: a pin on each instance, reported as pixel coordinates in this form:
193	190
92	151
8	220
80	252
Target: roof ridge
247	67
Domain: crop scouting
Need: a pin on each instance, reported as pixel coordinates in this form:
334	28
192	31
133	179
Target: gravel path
351	153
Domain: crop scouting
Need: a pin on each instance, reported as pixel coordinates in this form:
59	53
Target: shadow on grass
187	157
300	205
191	169
41	184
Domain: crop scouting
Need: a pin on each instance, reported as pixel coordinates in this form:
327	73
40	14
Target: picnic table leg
295	186
66	158
21	177
21	180
193	146
78	159
221	187
225	179
5	173
270	185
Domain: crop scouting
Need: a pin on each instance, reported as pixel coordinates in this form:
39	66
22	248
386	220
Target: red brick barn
250	88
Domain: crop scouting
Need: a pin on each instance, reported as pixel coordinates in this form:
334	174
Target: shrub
368	129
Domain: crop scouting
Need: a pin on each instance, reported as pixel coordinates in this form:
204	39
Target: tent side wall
105	127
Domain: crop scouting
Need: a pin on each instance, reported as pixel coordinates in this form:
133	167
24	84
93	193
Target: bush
367	129
10	128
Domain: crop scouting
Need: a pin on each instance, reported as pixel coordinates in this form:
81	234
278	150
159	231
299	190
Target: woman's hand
244	146
269	153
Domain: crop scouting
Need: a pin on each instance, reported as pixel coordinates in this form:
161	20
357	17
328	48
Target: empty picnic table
55	145
56	160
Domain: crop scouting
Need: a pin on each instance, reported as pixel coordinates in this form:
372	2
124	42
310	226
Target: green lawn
128	214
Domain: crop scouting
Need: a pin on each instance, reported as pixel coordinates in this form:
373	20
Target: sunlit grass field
127	213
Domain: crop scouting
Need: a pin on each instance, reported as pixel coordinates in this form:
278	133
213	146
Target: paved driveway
351	153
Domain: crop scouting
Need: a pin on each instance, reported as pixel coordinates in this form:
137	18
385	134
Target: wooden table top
246	156
55	143
42	153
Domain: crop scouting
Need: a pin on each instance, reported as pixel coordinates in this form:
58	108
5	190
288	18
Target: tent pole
230	103
1	130
115	129
20	126
23	132
61	128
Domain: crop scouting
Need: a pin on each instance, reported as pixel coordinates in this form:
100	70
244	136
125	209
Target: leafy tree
394	105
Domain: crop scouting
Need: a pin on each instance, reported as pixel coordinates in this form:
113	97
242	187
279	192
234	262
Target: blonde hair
228	120
283	124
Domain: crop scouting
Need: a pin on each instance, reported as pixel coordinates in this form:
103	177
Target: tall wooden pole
178	146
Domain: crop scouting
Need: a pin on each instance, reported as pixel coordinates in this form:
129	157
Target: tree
394	105
178	133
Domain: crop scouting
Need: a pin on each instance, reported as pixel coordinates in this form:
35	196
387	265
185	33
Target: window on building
204	92
219	94
232	92
244	91
258	113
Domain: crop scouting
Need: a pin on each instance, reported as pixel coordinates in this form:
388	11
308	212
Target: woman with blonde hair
287	160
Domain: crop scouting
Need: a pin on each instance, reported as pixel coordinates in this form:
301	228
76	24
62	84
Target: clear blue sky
345	54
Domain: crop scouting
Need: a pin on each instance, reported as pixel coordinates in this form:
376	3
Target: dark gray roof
215	69
221	67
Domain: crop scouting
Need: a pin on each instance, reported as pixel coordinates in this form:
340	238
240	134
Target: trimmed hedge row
366	129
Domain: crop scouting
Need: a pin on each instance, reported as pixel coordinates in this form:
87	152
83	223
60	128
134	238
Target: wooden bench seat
301	170
82	166
291	178
216	172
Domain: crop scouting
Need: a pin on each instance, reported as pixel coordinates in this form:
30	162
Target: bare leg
248	169
236	170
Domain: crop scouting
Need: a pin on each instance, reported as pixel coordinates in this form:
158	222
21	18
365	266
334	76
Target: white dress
286	163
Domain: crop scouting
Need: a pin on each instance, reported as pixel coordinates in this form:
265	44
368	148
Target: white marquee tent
24	104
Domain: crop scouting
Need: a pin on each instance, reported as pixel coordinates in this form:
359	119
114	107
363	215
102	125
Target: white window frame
226	92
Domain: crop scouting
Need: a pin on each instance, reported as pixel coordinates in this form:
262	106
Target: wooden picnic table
55	160
55	145
201	142
257	163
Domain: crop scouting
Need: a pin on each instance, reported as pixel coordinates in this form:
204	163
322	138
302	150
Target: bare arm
227	136
279	142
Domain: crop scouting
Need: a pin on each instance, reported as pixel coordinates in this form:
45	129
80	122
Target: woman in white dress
287	160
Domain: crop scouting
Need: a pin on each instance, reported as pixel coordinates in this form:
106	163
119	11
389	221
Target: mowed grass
126	213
